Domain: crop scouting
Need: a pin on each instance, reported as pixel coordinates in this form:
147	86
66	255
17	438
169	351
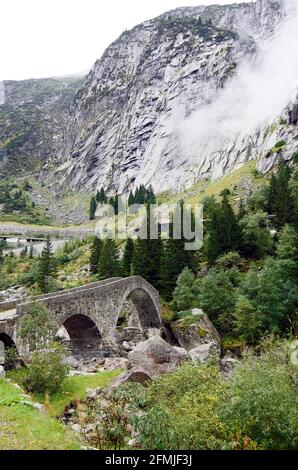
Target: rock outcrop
132	120
195	330
150	359
126	125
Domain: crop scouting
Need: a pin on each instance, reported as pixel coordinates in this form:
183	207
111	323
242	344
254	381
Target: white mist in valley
252	99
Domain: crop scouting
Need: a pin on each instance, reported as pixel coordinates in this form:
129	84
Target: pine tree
95	254
102	196
280	202
241	210
173	260
47	268
147	255
92	210
293	185
109	265
185	291
127	258
131	199
230	232
224	233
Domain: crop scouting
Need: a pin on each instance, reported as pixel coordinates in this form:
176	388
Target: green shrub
262	399
47	371
37	327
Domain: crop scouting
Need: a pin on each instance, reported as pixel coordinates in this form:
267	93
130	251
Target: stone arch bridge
89	313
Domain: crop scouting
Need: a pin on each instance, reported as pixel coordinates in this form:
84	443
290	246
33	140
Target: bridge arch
84	335
146	308
7	341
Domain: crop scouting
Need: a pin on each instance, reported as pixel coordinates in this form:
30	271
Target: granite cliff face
31	112
170	102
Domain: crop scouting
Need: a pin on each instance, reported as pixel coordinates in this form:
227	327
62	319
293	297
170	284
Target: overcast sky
42	38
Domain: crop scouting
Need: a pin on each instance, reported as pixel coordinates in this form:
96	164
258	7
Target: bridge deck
8	314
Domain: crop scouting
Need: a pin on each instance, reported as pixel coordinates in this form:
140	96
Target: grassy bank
24	428
74	389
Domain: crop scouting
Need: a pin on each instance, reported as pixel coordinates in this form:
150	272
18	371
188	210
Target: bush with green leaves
273	294
256	238
229	261
195	408
47	370
216	294
179	411
37	327
262	398
185	292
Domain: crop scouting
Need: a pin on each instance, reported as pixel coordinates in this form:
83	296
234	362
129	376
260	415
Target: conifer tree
280	202
102	196
109	264
95	254
131	199
173	260
127	258
224	233
146	257
230	232
92	210
293	184
47	268
185	291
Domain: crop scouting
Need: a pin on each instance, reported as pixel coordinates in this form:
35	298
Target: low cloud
262	88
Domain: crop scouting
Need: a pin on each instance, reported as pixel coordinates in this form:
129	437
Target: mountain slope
30	121
127	125
192	94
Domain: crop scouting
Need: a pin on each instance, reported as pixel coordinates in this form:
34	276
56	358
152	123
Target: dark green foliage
95	255
185	292
47	270
93	207
273	294
293	185
147	255
173	260
127	258
256	239
280	202
223	230
216	296
142	195
109	264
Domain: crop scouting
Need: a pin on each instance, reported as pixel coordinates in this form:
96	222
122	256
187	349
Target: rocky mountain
31	112
189	95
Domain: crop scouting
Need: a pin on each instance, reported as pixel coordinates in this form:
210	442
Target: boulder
112	347
228	365
155	357
195	330
127	377
205	352
114	363
71	362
